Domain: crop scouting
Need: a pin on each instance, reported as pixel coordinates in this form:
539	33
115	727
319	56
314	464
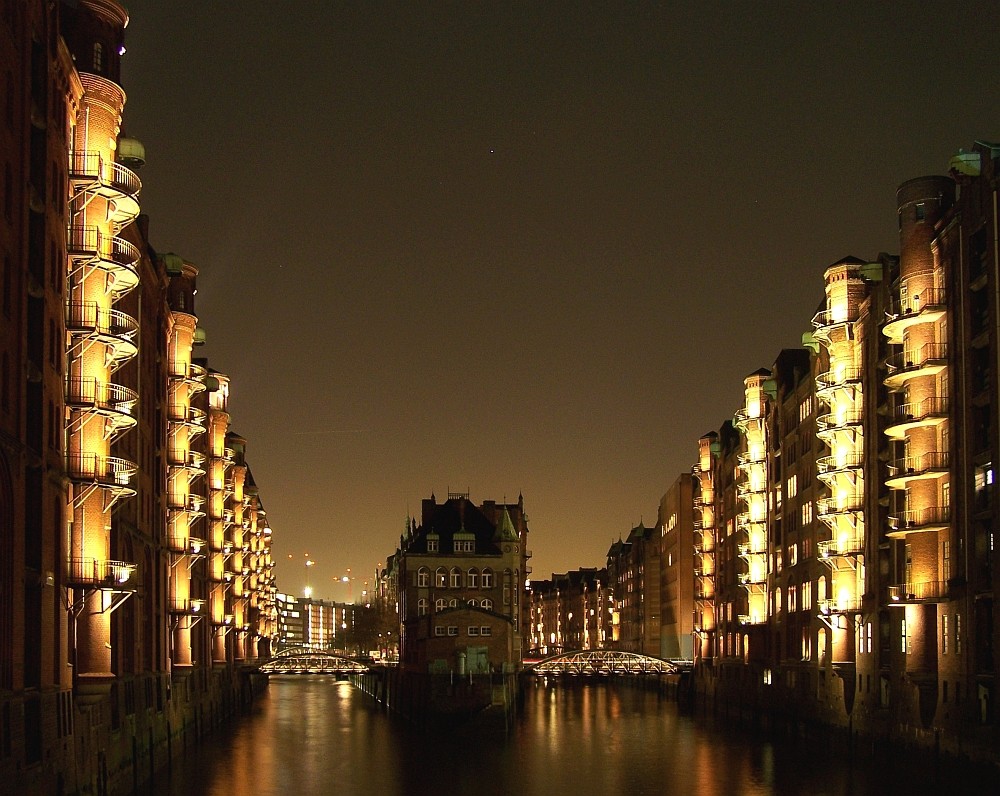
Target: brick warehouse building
135	566
848	511
843	549
459	584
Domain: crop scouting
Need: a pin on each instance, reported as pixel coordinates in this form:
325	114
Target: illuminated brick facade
113	454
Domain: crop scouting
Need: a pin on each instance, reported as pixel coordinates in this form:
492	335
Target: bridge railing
604	662
311	661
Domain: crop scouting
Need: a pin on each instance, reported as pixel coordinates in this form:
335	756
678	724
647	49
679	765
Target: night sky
521	248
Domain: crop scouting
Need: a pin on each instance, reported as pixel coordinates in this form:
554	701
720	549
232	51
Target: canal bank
146	725
841	709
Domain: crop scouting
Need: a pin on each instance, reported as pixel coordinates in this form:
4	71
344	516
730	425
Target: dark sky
522	248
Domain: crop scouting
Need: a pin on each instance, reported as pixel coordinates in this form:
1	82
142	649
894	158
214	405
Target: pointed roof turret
505	528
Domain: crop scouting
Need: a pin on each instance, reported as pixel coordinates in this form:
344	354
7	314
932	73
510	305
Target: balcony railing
187	459
844	546
187	415
186	605
926	465
833	421
931	518
189	372
756	548
928	298
112	400
751	619
742	418
903	365
928	591
923	307
843	605
112	178
749	458
829	507
117	255
112	327
183	544
747	487
832	379
830	317
101	574
918	413
105	471
834	464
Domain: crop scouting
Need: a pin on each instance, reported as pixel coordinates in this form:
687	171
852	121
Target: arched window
486	605
471	603
423	577
439	604
422	606
453	602
487	581
441	577
472	578
456	578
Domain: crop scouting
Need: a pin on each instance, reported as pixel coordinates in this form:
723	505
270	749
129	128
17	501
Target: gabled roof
459	518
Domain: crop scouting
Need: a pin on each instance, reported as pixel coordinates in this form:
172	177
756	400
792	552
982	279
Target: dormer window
432	545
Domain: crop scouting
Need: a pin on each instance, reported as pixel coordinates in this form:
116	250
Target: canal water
313	735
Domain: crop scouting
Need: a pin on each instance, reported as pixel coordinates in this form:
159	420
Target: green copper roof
505	530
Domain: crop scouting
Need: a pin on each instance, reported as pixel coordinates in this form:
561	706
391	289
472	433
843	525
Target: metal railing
928	591
829	317
927	299
842	605
832	464
93	242
186	605
100	573
110	471
832	421
935	406
89	165
927	354
102	396
919	465
90	317
846	546
826	507
602	662
838	378
920	518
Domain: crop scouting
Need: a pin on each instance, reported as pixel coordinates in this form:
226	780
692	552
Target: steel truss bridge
603	663
303	660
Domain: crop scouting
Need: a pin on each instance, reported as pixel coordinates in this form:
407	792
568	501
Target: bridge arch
602	663
304	660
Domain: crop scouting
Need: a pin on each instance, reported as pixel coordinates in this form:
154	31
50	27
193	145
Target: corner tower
101	268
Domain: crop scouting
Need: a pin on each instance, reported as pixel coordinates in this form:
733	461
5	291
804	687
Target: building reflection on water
313	735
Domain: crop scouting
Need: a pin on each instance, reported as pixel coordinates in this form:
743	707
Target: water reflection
313	735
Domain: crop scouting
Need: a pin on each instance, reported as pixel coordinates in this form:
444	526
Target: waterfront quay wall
115	744
425	699
868	717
